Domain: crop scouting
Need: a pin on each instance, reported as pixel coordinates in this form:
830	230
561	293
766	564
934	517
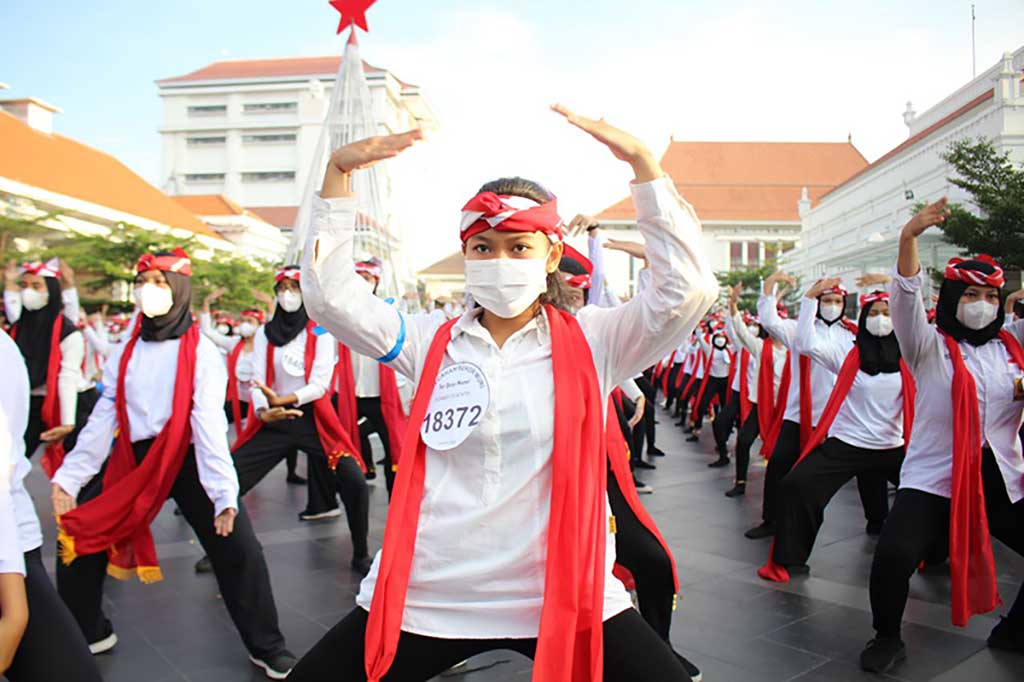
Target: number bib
460	398
293	361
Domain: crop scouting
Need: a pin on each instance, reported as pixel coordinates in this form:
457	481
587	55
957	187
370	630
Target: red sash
53	456
745	403
806	397
771	408
668	369
390	402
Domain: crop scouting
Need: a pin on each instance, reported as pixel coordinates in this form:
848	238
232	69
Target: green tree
239	277
996	187
752	279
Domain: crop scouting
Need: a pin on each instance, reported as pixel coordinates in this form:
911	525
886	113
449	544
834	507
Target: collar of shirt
470	325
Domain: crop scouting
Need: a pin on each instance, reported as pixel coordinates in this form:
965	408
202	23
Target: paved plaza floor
734	626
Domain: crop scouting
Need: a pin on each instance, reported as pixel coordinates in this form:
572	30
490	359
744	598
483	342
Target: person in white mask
963	476
503	477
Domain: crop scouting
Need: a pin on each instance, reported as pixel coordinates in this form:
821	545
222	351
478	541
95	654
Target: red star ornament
352	12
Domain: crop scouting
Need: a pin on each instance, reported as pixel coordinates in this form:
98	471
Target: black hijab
842	313
878	355
35	329
284	326
178	319
949	299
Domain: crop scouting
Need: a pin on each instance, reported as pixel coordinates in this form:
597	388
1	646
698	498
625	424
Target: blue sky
783	70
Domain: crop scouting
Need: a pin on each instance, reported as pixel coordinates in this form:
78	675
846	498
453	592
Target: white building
251	235
749	197
855	227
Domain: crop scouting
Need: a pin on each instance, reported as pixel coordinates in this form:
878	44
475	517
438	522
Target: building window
269	138
753	254
270	107
204	177
208	110
206	140
269	176
735	255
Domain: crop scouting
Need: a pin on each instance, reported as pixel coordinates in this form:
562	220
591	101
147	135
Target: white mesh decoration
349	118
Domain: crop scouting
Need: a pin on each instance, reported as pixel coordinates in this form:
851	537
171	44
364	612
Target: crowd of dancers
511	431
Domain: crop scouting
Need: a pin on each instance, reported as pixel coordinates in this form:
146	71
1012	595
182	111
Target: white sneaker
643	488
329	514
104	645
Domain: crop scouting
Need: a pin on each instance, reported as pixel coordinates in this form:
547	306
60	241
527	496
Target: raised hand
932	214
580	224
822	285
872	279
11	275
634	249
67	275
624	146
775	278
365	153
1012	299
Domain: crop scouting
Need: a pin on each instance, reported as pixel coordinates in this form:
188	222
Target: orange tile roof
751	180
269	68
280	216
61	165
209	204
449	265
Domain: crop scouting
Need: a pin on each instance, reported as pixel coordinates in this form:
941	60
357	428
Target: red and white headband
583	281
258	314
287	273
487	211
176	261
976	277
370	268
837	289
50	268
867	299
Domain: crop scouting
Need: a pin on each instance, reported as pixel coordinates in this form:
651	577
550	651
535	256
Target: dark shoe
362	565
682	422
688	429
882	653
693	438
277	666
765	530
642	488
719	463
798	569
640	464
691	670
104	645
177	511
874	528
320	516
295	479
371	474
204	565
738	490
1007	637
654	452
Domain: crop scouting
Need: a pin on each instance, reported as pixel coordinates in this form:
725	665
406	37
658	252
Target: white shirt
286	383
822	380
244	368
479	563
871	415
929	462
755	346
691	356
720	360
19	525
149	392
631	390
366	372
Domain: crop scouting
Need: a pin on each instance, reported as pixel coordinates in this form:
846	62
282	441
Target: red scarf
333	437
117	521
847	374
806	394
53	457
574	570
745	403
232	393
664	376
771	407
390	402
693	374
971	565
618	461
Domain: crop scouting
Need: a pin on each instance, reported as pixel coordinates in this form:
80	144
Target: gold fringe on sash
65	546
146	574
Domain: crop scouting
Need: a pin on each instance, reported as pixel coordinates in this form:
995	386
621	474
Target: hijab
35	329
949	300
878	355
284	326
178	319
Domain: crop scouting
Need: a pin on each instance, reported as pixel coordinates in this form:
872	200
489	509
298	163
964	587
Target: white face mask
290	301
754	331
977	315
34	300
879	325
154	300
223	329
719	342
506	286
831	312
247	330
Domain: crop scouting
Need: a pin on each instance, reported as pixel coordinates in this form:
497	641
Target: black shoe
874	528
371	474
882	653
682	422
798	569
204	565
693	438
722	461
640	464
177	511
765	530
738	490
295	479
320	516
1007	637
362	565
688	429
691	670
277	666
654	452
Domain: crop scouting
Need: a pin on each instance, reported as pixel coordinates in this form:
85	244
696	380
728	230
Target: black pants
255	459
671	392
632	652
650	395
292	458
917	523
637	549
874	493
52	647
727	419
809	487
369	408
238	564
86	401
685	396
749	432
717	386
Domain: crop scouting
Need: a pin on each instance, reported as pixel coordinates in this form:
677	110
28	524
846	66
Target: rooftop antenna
974	56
